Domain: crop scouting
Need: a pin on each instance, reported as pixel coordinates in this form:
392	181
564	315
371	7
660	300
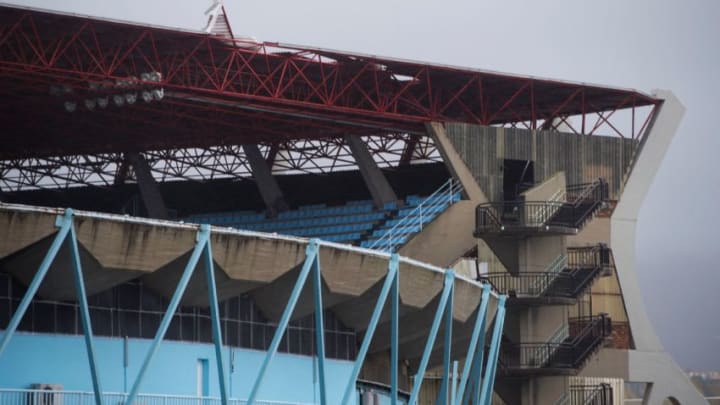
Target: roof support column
454	162
374	179
268	186
149	190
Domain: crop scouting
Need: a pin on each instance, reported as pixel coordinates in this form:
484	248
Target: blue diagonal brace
491	366
310	256
448	283
84	314
390	279
319	328
214	314
478	334
201	241
64	223
394	336
443	394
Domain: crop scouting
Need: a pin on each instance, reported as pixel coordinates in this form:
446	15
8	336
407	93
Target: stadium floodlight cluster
121	91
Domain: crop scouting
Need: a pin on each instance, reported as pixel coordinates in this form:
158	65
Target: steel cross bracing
216	90
216	162
474	386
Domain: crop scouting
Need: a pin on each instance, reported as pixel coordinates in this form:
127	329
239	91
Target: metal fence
51	397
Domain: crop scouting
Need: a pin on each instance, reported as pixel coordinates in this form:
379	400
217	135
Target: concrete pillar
268	186
375	181
649	362
454	162
623	222
149	190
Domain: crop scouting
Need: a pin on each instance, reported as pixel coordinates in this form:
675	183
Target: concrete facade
629	167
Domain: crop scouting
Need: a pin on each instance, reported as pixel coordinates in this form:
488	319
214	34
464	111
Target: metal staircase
557	357
557	215
568	276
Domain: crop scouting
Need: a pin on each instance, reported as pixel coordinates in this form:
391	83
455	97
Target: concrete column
268	186
648	362
149	190
623	222
375	181
454	162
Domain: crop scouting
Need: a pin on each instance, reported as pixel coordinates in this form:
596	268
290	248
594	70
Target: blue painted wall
62	359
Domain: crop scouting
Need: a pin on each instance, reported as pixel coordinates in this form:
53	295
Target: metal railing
420	215
582	200
48	397
532	284
541	354
568	354
567	276
589	256
601	394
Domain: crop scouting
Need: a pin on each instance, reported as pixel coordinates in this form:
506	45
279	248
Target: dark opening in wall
518	176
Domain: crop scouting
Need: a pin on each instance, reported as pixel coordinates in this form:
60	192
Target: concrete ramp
446	238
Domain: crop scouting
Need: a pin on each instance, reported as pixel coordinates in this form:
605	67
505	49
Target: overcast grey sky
642	44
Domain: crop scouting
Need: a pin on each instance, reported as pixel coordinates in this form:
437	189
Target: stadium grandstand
192	217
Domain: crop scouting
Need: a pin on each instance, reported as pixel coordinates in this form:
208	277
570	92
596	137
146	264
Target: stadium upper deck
65	78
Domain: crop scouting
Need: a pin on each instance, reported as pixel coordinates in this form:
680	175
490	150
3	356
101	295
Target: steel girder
257	86
475	387
215	162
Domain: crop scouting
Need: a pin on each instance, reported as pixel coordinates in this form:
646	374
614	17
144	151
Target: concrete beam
375	181
623	222
454	162
268	186
149	190
649	362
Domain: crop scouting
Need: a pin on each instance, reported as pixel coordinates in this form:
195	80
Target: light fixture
130	98
70	106
119	100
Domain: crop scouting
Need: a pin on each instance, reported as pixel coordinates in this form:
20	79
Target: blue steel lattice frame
491	367
472	388
66	228
391	279
311	263
443	394
477	342
448	284
202	246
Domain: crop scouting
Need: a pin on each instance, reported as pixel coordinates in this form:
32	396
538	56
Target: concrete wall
552	189
582	158
537	253
544	390
594	232
61	359
537	324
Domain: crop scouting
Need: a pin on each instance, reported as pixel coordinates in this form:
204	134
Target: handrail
563	399
600	394
567	354
567	276
553	269
581	201
416	217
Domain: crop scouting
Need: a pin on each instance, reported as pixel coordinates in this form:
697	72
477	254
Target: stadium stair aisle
355	222
409	220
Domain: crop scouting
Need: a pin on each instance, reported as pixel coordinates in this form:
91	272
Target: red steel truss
222	92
